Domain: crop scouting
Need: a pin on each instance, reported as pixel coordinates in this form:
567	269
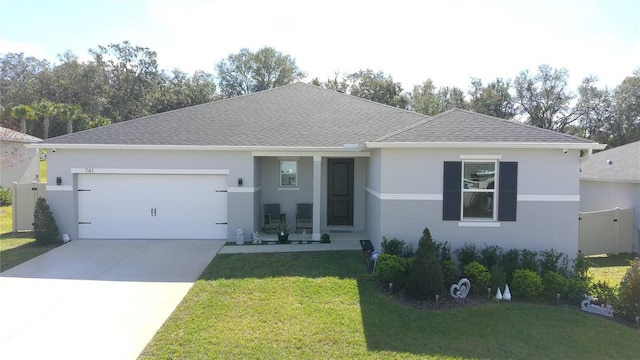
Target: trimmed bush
510	260
498	277
478	275
392	247
550	261
44	225
467	254
450	274
396	247
577	287
425	274
5	197
526	285
553	283
490	255
628	303
581	267
605	293
528	260
392	269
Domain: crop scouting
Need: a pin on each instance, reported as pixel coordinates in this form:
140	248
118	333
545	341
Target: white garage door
154	206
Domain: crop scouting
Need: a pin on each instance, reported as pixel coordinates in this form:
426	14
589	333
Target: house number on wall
88	170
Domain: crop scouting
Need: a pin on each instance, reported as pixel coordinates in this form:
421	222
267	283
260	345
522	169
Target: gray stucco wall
547	209
63	202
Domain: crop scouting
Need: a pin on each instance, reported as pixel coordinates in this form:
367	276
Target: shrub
549	261
478	275
44	225
425	274
444	250
528	260
576	289
605	293
467	254
490	255
397	247
498	277
392	269
526	284
581	267
553	283
450	274
392	247
628	303
325	238
5	197
509	263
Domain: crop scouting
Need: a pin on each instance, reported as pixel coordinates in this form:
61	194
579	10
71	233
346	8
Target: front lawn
609	268
325	305
16	247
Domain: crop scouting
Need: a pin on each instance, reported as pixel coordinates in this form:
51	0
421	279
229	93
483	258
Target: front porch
339	241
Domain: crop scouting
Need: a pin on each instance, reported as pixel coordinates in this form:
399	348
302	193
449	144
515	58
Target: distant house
610	179
206	171
17	162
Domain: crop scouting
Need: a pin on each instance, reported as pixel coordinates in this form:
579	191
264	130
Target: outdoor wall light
239	181
58	180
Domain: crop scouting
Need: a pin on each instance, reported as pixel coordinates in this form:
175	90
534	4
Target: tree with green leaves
132	72
71	113
247	72
179	90
626	118
378	87
425	99
46	110
544	99
597	116
23	113
493	99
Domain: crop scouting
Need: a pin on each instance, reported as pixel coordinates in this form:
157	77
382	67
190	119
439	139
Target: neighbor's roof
11	135
306	116
623	167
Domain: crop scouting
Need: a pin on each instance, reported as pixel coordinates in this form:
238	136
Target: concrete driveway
101	299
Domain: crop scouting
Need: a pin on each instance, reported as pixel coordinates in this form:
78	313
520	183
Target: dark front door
340	191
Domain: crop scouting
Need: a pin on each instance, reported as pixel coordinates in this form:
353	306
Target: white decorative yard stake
507	293
587	306
461	289
499	295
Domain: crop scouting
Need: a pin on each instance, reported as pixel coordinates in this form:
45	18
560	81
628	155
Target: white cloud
26	48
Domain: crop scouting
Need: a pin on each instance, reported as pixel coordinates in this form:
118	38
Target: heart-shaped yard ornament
461	289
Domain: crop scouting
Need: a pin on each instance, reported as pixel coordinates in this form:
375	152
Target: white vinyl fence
606	231
24	203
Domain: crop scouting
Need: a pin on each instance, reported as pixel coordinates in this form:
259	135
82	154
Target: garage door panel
152	206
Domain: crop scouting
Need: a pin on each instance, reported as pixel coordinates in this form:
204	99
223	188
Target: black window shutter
507	191
452	193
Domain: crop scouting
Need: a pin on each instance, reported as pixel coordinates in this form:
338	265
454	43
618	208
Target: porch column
317	162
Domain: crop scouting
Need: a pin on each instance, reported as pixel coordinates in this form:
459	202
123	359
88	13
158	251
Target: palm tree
24	113
71	113
46	109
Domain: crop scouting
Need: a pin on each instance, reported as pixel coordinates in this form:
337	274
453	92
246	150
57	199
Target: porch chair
304	217
272	218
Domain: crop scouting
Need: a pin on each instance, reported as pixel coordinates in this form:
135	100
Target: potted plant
325	238
283	233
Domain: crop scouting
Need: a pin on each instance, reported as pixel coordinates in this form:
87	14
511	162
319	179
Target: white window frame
493	191
280	174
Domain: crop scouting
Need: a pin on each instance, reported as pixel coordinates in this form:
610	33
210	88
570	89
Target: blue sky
447	41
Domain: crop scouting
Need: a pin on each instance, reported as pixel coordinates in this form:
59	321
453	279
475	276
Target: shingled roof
306	116
620	164
296	115
12	135
457	126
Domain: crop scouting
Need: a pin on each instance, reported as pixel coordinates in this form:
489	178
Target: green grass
609	268
16	247
43	171
324	305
